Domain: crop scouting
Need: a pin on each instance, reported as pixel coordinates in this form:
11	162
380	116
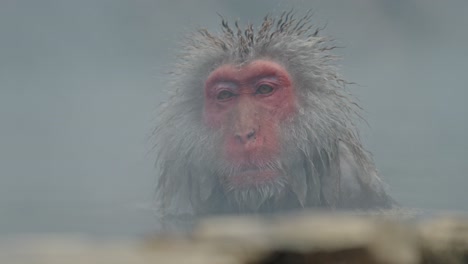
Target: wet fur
321	148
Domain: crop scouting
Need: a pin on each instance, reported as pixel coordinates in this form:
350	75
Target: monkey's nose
246	136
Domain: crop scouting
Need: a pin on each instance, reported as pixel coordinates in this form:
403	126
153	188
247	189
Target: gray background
80	82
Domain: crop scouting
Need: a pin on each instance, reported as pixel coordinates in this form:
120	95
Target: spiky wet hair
325	113
292	42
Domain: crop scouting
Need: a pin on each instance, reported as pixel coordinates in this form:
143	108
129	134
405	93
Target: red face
248	104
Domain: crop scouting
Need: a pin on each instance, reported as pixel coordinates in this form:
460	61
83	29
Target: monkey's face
247	104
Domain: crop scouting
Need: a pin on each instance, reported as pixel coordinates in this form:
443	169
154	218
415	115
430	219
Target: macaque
259	122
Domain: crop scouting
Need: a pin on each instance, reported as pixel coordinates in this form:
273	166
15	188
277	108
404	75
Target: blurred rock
386	237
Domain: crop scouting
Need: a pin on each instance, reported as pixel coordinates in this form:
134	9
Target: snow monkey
259	122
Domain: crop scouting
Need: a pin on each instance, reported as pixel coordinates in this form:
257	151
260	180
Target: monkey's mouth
250	177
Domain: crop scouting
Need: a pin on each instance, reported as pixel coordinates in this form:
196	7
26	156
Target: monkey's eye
264	89
224	95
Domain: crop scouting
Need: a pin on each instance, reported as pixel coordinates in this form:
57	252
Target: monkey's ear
360	187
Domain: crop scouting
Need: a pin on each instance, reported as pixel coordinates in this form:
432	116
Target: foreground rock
305	238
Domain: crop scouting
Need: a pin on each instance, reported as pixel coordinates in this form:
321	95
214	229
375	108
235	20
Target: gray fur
324	162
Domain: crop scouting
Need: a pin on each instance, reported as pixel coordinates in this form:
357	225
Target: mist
80	82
